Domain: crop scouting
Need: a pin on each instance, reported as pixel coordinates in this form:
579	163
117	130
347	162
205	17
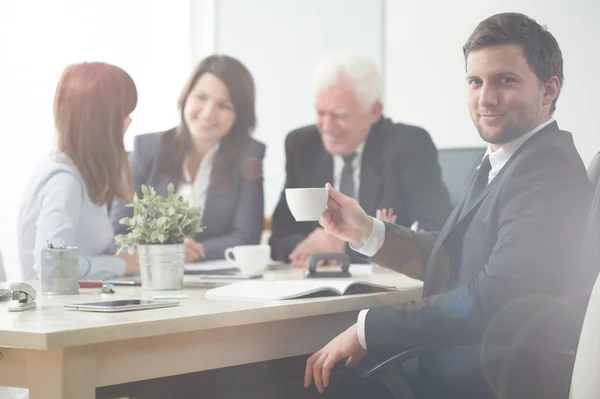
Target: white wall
280	41
150	39
425	66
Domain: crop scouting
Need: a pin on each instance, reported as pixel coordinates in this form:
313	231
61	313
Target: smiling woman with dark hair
209	157
67	199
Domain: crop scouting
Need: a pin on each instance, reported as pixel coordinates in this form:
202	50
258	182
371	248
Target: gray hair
360	71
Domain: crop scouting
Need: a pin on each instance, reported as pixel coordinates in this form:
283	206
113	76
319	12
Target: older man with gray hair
390	168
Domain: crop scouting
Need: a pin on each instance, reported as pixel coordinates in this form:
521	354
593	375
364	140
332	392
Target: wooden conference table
58	353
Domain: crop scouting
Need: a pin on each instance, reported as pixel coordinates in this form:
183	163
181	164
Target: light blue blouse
57	207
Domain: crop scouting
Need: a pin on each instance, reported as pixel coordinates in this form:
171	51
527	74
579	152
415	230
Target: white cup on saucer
252	260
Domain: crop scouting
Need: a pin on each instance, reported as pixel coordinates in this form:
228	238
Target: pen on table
91	284
104	288
415	226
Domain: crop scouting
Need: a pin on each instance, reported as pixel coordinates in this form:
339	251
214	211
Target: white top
338	166
195	192
57	207
498	159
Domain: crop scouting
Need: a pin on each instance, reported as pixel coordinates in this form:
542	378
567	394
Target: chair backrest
594	170
593	227
585	381
456	165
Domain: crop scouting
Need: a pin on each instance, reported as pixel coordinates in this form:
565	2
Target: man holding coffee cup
381	164
507	266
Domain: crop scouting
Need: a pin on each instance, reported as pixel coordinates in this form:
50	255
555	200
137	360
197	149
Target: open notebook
293	289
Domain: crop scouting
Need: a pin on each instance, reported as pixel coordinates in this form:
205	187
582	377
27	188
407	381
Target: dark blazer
503	265
233	215
399	170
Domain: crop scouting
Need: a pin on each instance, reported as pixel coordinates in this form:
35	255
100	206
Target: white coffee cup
306	204
252	260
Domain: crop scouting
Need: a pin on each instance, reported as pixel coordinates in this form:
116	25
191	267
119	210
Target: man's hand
345	219
317	242
193	250
319	365
386	215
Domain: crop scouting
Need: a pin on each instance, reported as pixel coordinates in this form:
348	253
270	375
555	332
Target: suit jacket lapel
322	174
216	199
370	169
431	280
431	263
448	226
323	169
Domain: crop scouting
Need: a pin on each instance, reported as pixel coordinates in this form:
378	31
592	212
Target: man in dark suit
506	258
384	165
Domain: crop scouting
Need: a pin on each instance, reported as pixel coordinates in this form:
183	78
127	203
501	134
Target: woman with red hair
66	201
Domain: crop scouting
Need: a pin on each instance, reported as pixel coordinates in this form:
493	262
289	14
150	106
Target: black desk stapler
343	263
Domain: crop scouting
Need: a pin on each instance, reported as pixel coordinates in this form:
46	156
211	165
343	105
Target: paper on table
209	266
216	266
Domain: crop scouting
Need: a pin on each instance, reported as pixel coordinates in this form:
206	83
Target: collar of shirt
338	165
195	192
502	155
206	162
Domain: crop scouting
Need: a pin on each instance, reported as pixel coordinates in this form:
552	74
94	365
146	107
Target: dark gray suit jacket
233	215
399	170
505	268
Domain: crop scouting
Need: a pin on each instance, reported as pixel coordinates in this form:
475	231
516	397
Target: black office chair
456	165
543	372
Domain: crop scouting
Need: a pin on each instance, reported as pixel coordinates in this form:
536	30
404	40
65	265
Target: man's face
341	120
505	97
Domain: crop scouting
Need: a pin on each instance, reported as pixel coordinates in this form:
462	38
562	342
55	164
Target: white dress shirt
338	166
195	191
498	160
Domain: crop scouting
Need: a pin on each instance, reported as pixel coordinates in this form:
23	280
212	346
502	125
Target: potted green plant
157	230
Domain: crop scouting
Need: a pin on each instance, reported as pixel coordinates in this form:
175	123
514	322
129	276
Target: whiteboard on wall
280	41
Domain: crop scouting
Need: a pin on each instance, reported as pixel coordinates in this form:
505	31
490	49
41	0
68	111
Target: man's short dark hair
539	46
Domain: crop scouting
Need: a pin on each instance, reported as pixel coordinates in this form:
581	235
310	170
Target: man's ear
376	111
551	90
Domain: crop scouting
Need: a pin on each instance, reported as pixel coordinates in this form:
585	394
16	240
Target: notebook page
277	289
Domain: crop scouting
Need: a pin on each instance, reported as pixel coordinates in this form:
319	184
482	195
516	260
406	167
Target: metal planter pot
161	266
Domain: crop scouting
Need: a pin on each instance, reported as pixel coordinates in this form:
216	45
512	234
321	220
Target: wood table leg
67	373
